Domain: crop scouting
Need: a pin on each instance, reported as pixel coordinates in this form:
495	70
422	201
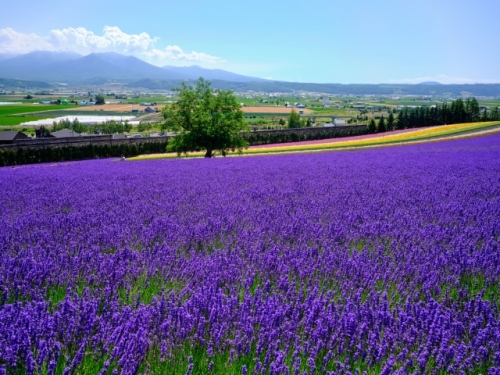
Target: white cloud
13	42
443	78
113	39
84	41
176	53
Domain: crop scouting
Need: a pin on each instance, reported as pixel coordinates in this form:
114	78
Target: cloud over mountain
176	53
83	41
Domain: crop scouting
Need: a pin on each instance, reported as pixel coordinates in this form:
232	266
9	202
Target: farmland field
29	108
283	110
383	260
113	108
16	120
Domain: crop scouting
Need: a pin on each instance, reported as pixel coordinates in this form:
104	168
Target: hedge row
255	139
54	154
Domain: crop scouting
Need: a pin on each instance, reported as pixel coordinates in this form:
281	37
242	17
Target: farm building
8	137
338	122
64	133
150	110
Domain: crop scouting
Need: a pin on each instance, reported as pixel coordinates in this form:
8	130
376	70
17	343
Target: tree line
111	127
459	111
264	138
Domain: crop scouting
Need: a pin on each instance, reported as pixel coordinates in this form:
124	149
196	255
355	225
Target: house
64	133
149	110
9	137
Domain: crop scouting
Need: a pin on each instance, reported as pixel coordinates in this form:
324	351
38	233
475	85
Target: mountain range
36	68
70	67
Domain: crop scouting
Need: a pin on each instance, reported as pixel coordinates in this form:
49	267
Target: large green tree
205	119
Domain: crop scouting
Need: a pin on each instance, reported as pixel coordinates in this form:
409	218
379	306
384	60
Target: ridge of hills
437	89
10	83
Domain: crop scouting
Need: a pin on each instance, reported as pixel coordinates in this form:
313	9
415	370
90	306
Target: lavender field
382	261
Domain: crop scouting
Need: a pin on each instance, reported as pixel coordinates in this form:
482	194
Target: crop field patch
280	110
6	110
381	260
113	108
17	120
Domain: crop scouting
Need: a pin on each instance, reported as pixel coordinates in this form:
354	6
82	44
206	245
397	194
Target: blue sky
336	41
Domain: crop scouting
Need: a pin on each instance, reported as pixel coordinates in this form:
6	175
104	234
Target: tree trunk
209	153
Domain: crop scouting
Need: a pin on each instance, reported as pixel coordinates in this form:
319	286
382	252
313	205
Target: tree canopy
381	125
205	119
294	120
372	127
459	111
390	122
99	100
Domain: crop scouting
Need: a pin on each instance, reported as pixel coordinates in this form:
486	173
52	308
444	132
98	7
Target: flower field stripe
380	261
376	140
418	135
